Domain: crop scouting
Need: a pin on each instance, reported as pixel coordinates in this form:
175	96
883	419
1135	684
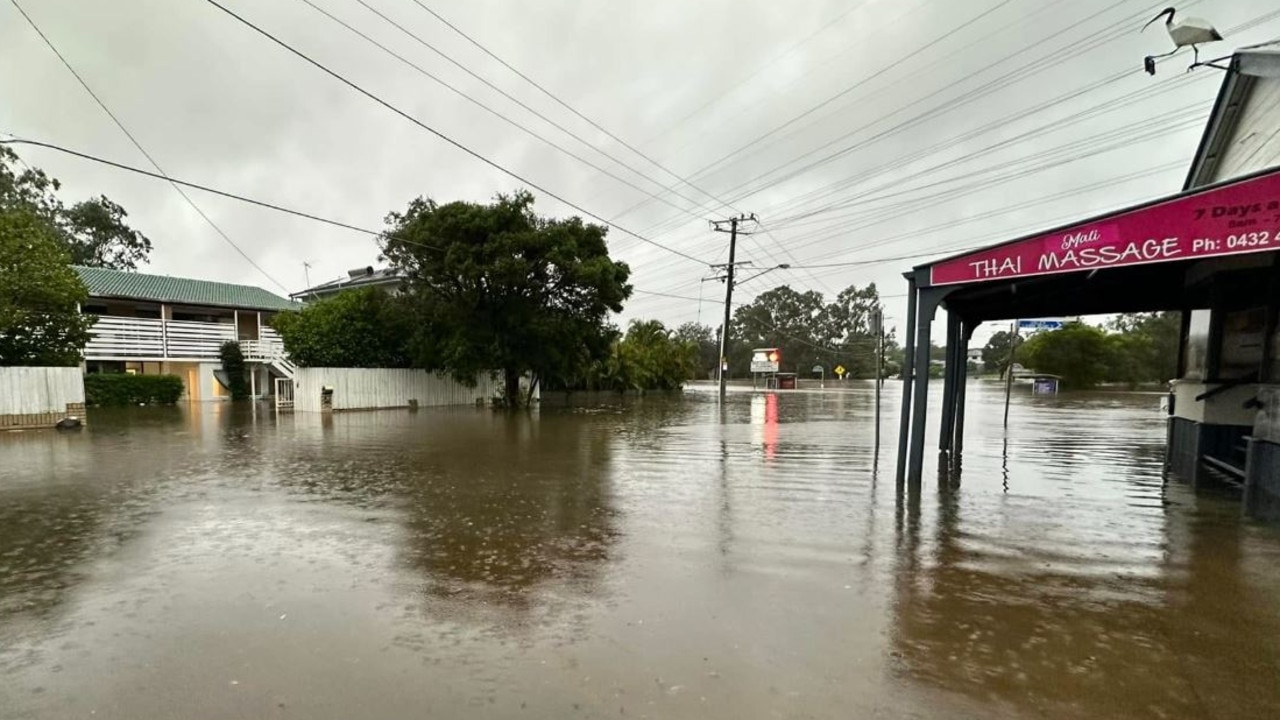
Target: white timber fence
374	388
40	396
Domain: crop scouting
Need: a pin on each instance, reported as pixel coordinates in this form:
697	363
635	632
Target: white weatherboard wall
373	388
33	391
1255	144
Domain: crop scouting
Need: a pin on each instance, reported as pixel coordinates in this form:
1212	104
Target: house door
193	385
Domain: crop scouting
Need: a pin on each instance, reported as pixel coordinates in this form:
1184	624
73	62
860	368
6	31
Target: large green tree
497	287
849	323
93	232
705	338
781	318
1077	352
1145	347
40	320
362	327
998	350
810	331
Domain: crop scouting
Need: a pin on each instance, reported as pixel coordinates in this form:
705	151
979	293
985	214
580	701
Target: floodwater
657	559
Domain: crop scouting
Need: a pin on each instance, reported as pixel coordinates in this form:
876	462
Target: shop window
1197	345
1243	336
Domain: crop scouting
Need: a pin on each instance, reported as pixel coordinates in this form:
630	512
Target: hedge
119	389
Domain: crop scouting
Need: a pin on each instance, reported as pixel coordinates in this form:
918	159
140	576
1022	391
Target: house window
95	367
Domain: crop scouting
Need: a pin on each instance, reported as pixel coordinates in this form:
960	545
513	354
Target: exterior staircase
272	355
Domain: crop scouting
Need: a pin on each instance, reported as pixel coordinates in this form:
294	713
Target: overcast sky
857	130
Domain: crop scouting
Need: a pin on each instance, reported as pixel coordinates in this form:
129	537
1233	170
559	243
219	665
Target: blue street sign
1040	324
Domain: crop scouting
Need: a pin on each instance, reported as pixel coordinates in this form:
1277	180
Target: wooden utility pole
1008	373
878	321
718	226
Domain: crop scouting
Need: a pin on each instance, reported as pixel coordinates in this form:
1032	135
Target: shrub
364	327
233	365
120	389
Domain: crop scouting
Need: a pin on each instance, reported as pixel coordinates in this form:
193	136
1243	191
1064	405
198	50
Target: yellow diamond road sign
839	370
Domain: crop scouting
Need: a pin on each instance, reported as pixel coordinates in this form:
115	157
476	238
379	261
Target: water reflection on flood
659	558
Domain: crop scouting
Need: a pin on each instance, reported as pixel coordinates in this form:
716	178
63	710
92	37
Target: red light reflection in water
770	425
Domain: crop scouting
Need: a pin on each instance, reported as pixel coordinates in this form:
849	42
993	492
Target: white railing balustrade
123	338
186	339
117	337
268	351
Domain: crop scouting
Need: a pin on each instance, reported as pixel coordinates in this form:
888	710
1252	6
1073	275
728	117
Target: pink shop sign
1243	217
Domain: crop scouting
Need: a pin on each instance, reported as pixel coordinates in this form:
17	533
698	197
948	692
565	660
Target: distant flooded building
149	324
1208	252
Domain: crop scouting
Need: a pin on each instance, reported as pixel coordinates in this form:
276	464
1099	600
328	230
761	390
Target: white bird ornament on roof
1186	32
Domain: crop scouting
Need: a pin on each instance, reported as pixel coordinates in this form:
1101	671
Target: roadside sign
839	370
764	360
1040	324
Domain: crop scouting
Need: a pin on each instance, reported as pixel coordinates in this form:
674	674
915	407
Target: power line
138	145
983	152
500	115
491	163
557	100
185	183
991	86
963	99
1072	151
885	214
768	64
478	45
575	111
886	68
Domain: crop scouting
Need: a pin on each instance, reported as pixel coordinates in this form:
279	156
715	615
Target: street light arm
783	266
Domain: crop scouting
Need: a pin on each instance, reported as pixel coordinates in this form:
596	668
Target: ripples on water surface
661	559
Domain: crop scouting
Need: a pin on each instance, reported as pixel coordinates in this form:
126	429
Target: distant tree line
807	330
1133	349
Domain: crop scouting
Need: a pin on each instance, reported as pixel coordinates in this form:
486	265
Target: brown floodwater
664	558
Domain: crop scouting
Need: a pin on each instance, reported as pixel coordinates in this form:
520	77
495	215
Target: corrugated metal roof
105	283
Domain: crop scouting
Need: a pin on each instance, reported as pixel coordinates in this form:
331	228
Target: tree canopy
809	331
92	232
40	320
1133	349
998	350
647	357
362	327
704	338
497	287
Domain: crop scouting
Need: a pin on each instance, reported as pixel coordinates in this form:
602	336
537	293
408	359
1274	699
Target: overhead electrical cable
437	133
120	124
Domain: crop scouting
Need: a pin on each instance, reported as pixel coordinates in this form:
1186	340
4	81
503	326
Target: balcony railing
122	338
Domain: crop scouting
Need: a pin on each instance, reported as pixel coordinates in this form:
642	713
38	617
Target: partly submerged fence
39	396
317	389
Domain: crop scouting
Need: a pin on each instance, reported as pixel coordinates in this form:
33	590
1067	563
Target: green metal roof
103	283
